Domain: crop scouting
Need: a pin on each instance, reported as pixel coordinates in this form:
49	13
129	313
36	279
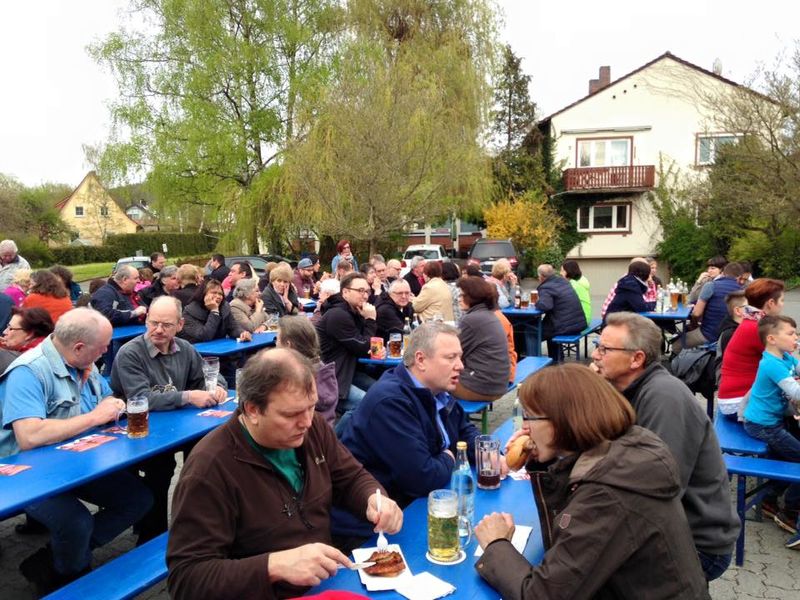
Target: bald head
273	370
81	325
167	304
545	271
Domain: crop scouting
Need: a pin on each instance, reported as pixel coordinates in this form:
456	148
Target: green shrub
686	247
778	257
36	252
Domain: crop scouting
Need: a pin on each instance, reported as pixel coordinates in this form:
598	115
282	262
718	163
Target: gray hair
169	299
273	370
244	287
643	334
79	325
167	271
398	283
423	339
545	270
124	272
331	286
8	245
415	261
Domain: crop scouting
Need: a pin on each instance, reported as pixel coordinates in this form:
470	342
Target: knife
358	565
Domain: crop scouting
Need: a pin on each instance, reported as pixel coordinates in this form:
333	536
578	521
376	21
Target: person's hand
390	519
317	287
512	278
245	336
524	430
503	467
140	310
201	398
107	409
259	305
211	302
494	527
260	329
325	275
306	565
368	311
376	286
594	367
220	394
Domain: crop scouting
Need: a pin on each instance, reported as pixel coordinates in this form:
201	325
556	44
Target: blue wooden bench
124	577
733	439
527	366
762	468
570	342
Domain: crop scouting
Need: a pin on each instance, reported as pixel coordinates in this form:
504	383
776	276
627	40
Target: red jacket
740	361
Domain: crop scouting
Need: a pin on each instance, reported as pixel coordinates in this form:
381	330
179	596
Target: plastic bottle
463	482
516	414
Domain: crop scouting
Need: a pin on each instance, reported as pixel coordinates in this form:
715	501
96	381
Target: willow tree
208	96
396	139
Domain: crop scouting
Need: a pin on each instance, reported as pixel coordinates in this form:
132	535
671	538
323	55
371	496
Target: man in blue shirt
51	393
406	428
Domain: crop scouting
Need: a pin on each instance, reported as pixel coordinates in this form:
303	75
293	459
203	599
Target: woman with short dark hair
27	329
47	291
483	343
571	271
65	275
629	296
608	498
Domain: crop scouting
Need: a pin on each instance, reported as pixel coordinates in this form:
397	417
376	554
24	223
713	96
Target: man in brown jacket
251	509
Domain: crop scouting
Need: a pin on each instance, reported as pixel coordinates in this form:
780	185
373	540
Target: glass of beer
487	462
524	300
443	541
395	345
306	292
674	298
137	409
534	296
375	347
210	372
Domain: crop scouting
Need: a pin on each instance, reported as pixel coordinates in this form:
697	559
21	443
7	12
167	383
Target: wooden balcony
595	179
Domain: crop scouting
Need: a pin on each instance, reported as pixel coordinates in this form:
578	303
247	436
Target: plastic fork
383	543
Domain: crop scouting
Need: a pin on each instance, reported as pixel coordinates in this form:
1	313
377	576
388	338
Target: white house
611	143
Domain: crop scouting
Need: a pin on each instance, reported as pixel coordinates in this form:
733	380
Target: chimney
604	78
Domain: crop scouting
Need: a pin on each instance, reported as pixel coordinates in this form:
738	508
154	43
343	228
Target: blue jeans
785	447
123	500
713	565
358	389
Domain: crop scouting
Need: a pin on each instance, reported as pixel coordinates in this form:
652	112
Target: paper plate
376	584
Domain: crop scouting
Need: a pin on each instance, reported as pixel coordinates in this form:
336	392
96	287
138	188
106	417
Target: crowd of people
636	495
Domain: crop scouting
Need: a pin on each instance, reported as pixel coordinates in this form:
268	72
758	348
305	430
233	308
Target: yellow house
92	212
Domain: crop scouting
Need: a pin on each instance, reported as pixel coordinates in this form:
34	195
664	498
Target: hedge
119	246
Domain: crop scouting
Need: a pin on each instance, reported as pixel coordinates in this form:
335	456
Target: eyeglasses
164	326
603	350
527	418
364	291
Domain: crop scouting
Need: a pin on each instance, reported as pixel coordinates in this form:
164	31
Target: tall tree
208	98
516	166
396	139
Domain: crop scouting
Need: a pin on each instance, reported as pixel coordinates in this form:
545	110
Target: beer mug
210	372
534	296
395	345
444	545
525	300
137	409
487	462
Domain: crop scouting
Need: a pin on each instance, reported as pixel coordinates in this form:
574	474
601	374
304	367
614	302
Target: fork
383	543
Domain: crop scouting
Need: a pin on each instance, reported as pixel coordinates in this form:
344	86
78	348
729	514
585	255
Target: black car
485	252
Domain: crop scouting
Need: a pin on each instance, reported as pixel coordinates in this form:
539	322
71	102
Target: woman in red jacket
743	352
47	291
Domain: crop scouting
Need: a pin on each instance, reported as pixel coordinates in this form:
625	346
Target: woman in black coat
208	316
280	296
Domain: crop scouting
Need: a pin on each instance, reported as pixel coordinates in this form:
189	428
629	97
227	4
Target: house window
78	211
134	213
614	152
104	211
708	146
604	217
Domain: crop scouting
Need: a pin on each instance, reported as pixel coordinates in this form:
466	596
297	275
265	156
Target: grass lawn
91	270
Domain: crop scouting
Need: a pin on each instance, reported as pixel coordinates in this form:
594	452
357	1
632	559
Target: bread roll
519	451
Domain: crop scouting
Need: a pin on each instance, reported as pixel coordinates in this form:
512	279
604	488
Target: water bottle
516	414
463	483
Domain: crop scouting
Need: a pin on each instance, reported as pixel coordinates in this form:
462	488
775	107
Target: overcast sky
54	96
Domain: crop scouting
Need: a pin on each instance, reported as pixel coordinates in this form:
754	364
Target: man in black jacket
563	311
114	301
394	308
414	276
219	270
164	284
347	324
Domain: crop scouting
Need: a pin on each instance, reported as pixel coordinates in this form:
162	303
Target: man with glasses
345	329
394	308
628	356
169	371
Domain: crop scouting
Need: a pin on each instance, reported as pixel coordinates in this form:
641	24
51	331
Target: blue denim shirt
39	384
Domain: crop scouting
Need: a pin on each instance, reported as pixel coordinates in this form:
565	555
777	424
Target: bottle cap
461	446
